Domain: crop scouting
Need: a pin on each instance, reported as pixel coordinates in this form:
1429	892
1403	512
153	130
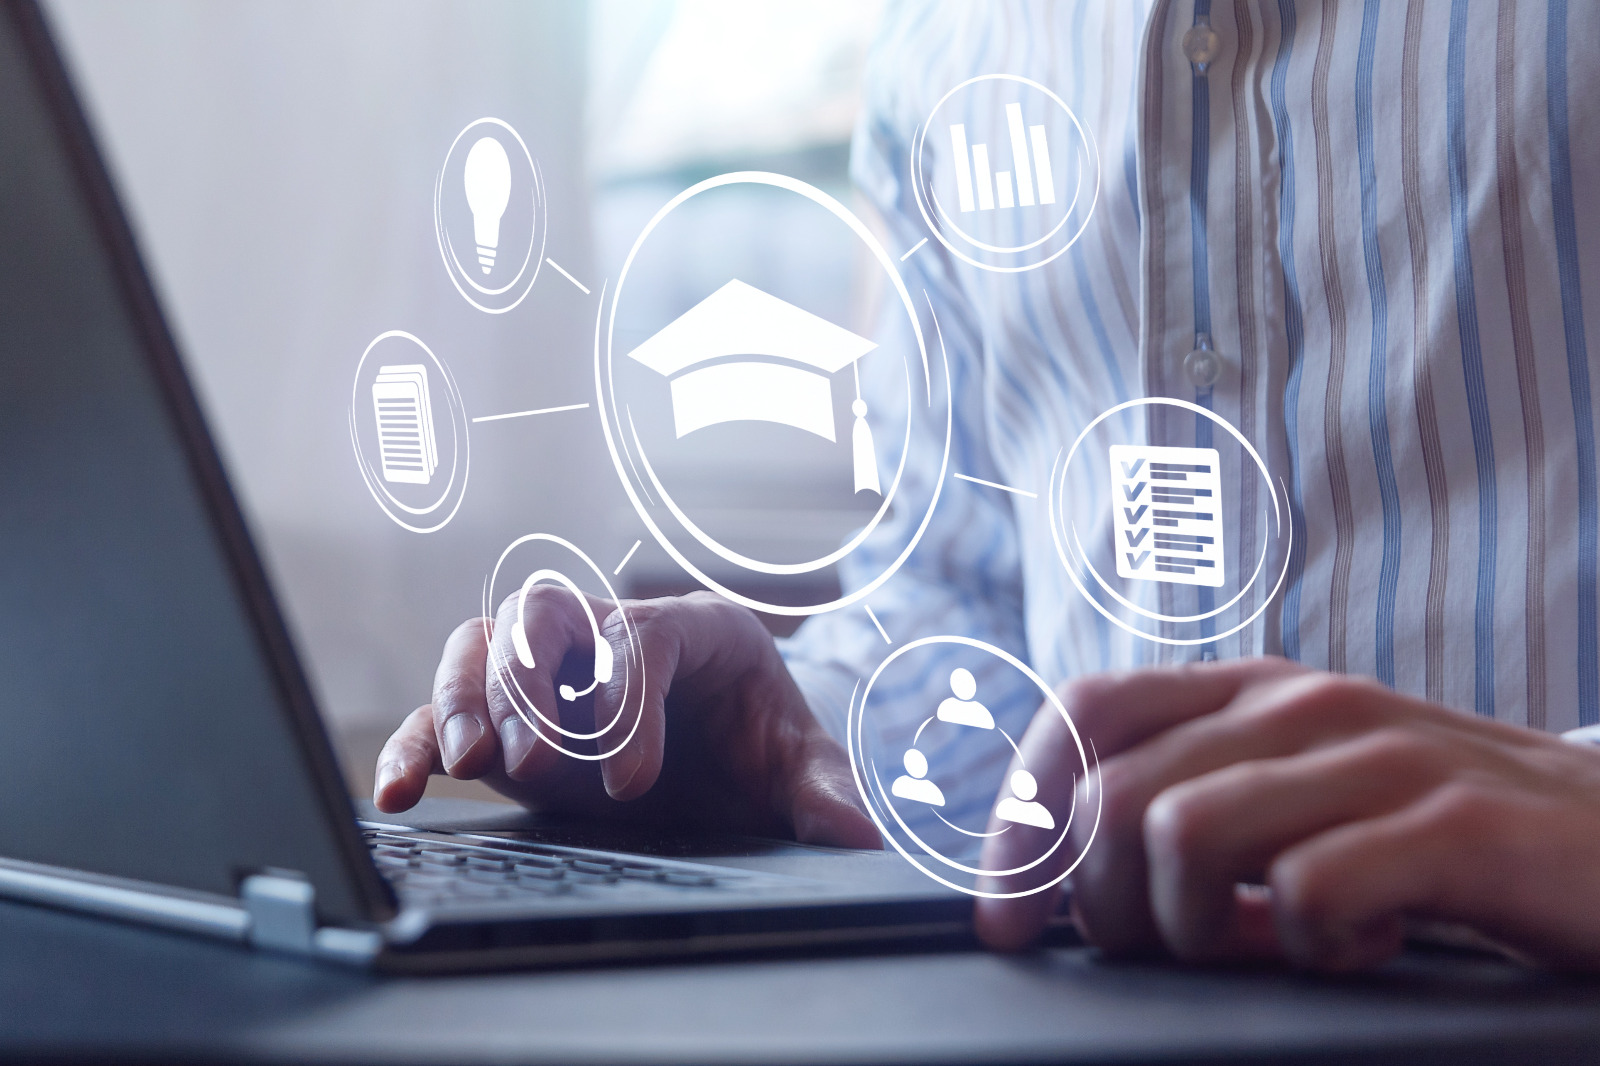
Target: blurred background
278	160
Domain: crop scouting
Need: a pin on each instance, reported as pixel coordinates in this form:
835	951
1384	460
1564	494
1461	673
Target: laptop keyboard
435	870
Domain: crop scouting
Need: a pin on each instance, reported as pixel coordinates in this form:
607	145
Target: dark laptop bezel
160	349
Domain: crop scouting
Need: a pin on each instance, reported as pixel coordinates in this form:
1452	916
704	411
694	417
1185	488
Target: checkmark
1133	541
1129	471
1133	493
1135	562
1134	516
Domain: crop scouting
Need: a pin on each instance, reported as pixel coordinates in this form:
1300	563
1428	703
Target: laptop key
436	859
547	861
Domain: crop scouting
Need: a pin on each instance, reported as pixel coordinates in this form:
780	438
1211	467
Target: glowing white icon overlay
604	657
961	708
1167	512
546	723
927	386
914	785
487	177
1078	563
398	447
973	175
407	447
1059	180
740	320
1018	807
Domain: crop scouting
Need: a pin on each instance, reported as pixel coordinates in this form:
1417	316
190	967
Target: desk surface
73	987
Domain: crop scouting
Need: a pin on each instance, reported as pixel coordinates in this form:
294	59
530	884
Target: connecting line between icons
877	623
903	258
563	272
540	411
997	485
625	558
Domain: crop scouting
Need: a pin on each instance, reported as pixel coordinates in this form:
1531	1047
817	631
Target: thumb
823	805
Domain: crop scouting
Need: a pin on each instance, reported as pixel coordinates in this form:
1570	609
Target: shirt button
1203	365
1201	45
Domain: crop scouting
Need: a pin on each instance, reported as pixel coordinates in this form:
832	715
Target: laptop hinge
282	909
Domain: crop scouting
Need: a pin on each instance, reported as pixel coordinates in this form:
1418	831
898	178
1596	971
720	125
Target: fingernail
388	774
461	732
517	740
621	769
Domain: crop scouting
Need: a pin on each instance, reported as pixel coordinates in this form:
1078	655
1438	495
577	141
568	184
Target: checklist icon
1166	514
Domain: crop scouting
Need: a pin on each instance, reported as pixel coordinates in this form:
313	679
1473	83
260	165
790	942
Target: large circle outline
635	654
842	213
462	439
1058	477
855	739
919	194
606	396
452	263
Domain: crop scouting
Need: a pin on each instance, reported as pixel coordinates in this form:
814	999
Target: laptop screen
142	729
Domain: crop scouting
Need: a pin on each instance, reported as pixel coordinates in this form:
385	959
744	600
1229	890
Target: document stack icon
1167	510
405	424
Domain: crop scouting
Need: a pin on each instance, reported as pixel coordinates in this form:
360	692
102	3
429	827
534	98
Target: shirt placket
1189	352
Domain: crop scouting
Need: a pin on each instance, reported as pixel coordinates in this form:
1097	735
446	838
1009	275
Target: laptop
162	759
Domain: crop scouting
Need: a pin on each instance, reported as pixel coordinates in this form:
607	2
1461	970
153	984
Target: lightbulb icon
488	181
490	162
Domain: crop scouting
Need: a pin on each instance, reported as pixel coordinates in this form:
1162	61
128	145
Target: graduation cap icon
706	355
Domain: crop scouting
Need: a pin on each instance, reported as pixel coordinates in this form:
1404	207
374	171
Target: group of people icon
962	708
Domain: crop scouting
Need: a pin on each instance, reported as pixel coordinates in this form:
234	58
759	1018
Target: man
1366	211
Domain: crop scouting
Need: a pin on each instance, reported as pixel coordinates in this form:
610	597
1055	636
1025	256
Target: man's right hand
724	738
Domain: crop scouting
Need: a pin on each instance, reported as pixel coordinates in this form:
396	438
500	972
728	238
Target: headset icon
603	654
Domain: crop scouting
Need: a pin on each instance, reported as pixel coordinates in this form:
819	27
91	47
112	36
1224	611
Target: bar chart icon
1030	180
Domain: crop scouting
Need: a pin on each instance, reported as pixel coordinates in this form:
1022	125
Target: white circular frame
923	192
452	263
1056	497
520	699
611	419
855	734
460	436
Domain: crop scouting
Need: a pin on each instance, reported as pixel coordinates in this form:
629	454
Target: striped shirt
1369	207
